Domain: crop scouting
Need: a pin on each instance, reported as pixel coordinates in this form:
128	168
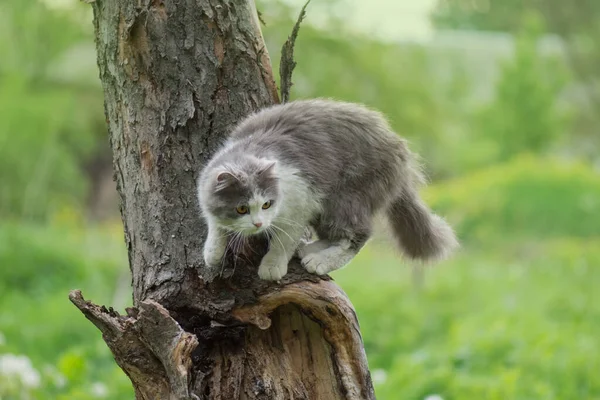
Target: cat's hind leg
341	241
330	258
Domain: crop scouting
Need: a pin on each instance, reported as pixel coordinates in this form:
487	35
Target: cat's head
242	195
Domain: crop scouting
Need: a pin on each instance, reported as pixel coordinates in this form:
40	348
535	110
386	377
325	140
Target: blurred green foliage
524	116
49	122
40	265
529	196
513	316
577	26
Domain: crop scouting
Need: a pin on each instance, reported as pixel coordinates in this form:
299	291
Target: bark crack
155	346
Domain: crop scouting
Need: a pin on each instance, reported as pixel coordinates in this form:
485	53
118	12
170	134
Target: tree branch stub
287	63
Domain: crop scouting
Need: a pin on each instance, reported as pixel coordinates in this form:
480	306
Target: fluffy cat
319	163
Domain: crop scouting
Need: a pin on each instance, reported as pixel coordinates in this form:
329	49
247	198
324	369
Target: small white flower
16	366
58	379
434	397
379	376
31	378
99	389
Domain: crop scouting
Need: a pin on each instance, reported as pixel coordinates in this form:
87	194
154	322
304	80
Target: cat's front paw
315	263
272	268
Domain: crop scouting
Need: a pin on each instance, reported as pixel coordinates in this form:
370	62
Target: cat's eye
242	209
266	205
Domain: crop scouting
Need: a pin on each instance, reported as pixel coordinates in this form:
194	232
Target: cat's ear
224	179
267	167
225	176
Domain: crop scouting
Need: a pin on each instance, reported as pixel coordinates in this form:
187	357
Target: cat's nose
258	224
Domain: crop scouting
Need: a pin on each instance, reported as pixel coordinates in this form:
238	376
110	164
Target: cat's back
317	119
327	140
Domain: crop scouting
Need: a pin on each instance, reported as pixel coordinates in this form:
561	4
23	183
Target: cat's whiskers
239	244
287	234
227	234
280	242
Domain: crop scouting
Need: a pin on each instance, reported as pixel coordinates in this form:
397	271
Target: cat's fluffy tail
421	234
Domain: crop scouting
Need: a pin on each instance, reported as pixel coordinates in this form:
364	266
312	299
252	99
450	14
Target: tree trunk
177	76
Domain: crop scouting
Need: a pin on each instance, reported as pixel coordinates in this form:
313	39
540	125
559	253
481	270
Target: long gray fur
346	165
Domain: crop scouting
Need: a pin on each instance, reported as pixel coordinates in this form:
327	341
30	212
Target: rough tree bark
177	75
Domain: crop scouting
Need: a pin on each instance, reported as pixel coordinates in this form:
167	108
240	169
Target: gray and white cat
319	163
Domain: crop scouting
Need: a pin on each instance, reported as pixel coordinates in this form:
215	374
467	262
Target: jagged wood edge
156	327
287	63
137	343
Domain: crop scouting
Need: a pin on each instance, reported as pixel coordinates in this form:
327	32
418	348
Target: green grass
516	323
